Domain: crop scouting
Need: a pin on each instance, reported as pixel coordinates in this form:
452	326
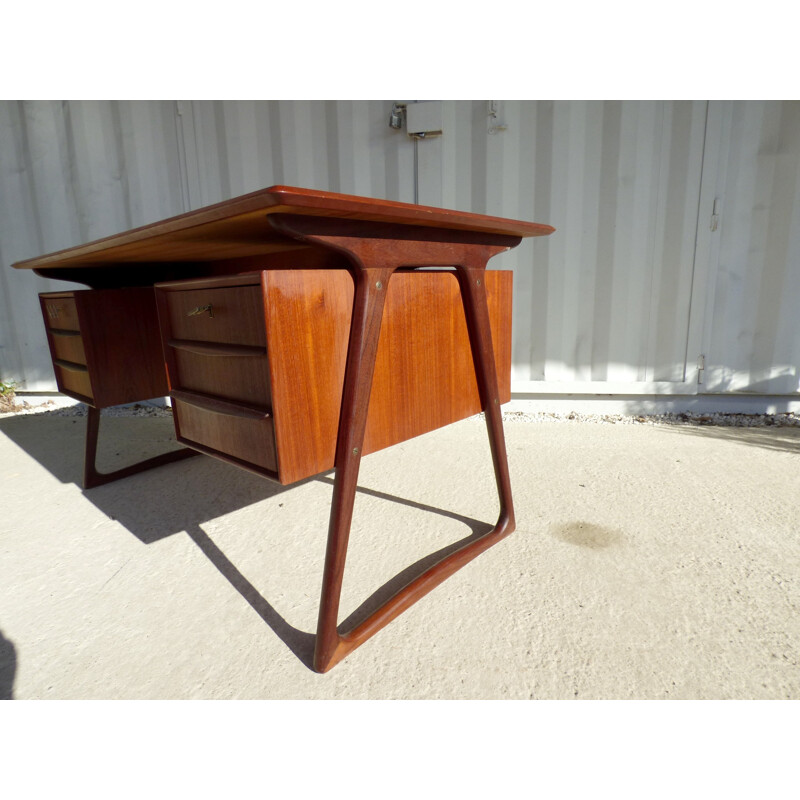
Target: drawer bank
256	364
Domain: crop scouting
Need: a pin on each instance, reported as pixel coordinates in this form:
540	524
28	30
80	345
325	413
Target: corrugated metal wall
71	172
623	299
339	146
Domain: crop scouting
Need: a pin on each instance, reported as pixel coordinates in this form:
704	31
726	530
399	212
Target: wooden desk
299	331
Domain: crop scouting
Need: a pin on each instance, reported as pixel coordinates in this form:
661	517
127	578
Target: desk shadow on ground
395	584
160	502
8	667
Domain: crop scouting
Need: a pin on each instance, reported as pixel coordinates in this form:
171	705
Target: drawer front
242	378
234	315
61	313
249	440
73	381
68	348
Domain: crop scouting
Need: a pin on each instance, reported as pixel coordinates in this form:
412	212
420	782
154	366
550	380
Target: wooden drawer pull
201	310
70	365
216	348
219	406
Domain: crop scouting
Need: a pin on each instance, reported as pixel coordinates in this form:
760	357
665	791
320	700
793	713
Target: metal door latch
424	119
495	126
715	213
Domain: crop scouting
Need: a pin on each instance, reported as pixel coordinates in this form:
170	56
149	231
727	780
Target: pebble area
719	419
79	410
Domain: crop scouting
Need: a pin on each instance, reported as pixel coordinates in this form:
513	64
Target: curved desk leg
332	646
91	476
370	292
476	310
392	247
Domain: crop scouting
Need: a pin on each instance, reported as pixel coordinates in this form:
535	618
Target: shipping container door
604	305
750	236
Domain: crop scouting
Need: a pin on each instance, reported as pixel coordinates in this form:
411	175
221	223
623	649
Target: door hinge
701	366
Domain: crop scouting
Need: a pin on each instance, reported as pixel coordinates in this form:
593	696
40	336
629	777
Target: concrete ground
649	561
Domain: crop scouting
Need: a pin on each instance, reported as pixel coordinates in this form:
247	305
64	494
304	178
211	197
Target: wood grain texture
106	350
368	305
123	347
239	378
250	440
308	318
237	228
217	369
236	315
74	383
60	315
219	405
68	345
118	342
424	377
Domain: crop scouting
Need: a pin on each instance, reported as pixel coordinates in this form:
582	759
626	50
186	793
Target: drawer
73	379
234	315
246	439
61	313
234	373
68	346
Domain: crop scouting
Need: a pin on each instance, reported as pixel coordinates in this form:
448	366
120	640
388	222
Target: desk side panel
122	343
308	316
424	376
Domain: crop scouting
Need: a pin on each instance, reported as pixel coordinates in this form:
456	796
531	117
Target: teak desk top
238	228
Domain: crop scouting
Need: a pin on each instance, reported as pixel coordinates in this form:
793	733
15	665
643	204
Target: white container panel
338	146
754	343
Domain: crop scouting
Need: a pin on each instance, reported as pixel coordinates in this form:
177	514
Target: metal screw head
355	451
379	285
478	281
